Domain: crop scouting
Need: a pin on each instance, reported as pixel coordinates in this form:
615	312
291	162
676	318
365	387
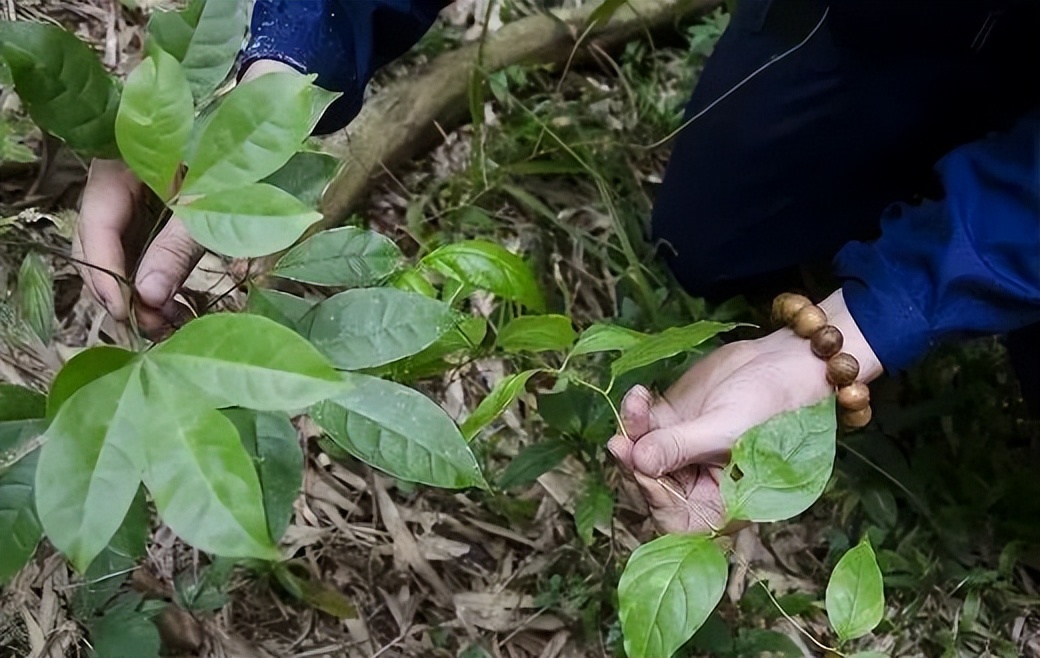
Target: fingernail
155	288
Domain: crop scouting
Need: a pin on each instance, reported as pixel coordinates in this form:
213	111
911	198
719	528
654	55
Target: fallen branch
407	117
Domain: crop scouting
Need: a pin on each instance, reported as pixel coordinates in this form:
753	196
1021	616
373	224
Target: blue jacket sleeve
343	41
963	266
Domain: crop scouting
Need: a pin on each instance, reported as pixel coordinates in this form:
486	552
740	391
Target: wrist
855	342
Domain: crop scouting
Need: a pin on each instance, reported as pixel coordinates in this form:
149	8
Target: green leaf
856	593
253	132
348	257
399	431
125	630
251	221
411	280
606	338
102	442
36	296
666	344
578	411
62	84
305	176
297	581
371	327
154	121
20	529
490	267
233	360
505	392
204	589
285	309
605	11
783	465
205	38
272	442
668	589
532	462
20	403
880	505
88	471
82	369
203	482
756	641
537	333
594	507
869	654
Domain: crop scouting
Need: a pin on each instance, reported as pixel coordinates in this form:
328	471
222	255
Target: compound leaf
856	593
488	266
154	121
783	465
251	221
399	431
62	84
371	327
82	369
668	589
537	333
348	257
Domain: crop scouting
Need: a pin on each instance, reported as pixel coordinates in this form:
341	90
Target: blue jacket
967	265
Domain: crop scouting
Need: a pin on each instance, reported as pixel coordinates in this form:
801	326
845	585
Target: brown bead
827	341
787	305
854	397
857	419
842	369
808	321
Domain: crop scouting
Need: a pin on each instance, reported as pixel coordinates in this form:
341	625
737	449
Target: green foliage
779	468
488	266
855	593
504	393
399	431
666	344
62	84
537	333
253	220
285	309
100	446
154	121
36	296
305	176
347	257
204	38
532	462
594	507
606	338
370	327
20	529
669	587
126	629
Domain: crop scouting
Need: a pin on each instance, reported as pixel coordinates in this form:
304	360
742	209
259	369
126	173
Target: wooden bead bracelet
809	321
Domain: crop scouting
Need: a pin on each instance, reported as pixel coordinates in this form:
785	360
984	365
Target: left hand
684	438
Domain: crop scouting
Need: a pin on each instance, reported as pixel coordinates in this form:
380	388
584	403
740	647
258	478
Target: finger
159	324
635	411
706	440
621	449
169	260
106	211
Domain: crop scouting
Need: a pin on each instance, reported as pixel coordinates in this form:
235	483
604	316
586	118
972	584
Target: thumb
169	260
707	439
635	411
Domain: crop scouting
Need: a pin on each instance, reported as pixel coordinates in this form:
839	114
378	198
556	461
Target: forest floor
945	483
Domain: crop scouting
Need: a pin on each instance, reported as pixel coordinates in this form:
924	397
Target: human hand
677	446
112	237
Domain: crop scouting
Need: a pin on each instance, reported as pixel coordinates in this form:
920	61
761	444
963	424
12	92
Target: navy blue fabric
808	155
343	41
967	265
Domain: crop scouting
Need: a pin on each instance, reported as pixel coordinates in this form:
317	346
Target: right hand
111	236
